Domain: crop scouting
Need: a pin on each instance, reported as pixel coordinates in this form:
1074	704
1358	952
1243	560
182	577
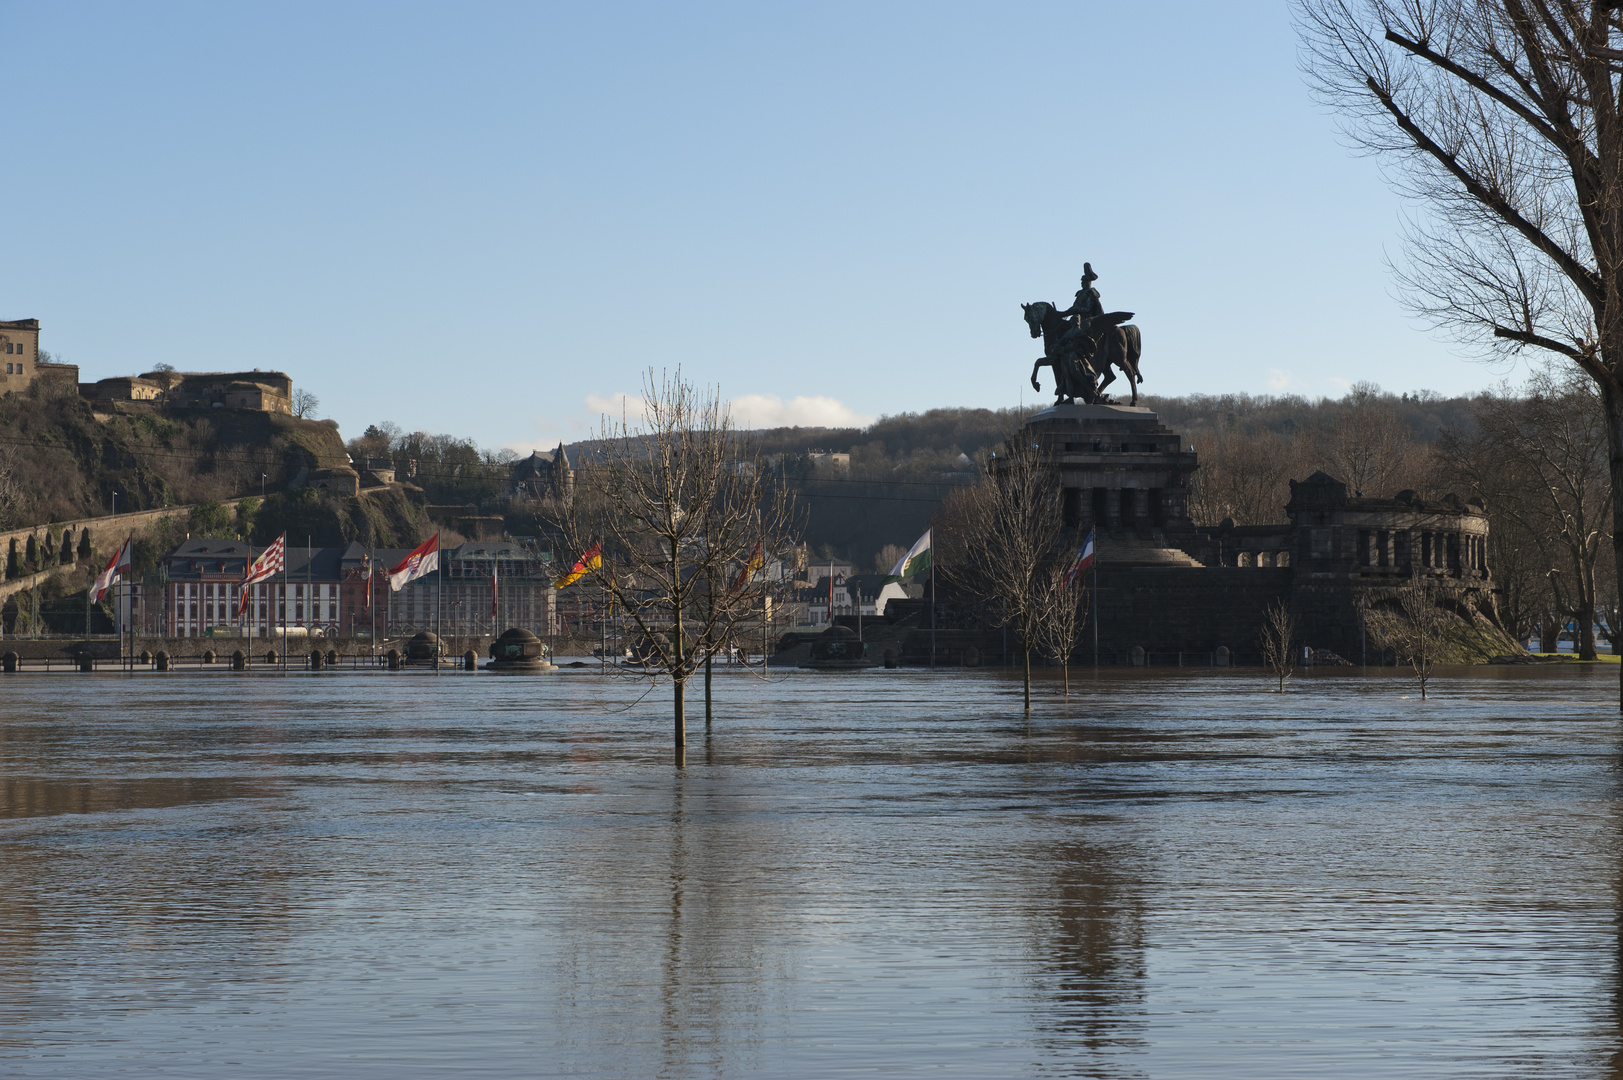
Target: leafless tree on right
1062	616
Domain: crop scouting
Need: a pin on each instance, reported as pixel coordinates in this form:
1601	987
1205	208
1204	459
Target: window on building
8	369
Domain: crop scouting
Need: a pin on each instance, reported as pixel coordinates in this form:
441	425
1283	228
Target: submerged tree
1062	616
1279	642
1503	120
1009	527
1415	629
673	519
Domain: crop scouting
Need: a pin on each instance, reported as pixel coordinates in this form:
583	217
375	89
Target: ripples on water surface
893	873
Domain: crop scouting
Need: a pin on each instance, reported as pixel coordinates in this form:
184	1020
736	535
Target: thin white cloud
1280	380
747	411
615	406
769	410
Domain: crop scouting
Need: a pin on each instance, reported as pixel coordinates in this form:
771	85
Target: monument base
1121	472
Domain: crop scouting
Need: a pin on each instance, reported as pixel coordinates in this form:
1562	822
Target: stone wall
1166	610
105	533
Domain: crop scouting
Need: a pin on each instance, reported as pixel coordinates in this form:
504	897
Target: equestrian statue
1082	344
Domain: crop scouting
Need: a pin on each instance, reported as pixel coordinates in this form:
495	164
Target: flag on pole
755	563
916	561
591	560
112	574
1083	560
270	563
423	560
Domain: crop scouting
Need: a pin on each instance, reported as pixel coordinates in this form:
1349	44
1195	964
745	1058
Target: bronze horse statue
1079	356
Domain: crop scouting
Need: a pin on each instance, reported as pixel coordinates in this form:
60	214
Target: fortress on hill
262	391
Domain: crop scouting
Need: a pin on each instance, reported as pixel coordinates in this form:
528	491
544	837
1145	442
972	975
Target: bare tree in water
1416	629
671	517
1062	616
1279	642
1009	525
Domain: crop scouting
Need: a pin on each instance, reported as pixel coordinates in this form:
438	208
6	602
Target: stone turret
562	474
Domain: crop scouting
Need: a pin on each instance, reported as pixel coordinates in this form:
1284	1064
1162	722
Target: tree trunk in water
681	723
1026	652
1613	405
1065	670
1549	636
708	657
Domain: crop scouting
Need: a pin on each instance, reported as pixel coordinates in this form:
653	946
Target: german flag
584	565
755	563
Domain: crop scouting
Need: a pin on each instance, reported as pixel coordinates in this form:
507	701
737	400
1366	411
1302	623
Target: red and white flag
423	560
112	574
268	565
1083	560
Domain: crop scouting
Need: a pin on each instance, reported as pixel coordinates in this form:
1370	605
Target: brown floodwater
1169	874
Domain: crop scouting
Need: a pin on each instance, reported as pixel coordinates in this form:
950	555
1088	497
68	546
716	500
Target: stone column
1112	506
1141	506
1074	508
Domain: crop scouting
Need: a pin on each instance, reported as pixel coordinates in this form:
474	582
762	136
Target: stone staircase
1140	552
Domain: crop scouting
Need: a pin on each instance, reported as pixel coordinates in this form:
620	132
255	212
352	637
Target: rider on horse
1087	304
1082	352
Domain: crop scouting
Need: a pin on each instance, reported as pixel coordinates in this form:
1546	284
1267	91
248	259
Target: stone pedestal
1120	469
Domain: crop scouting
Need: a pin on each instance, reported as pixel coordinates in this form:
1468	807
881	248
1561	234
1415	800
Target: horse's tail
1133	347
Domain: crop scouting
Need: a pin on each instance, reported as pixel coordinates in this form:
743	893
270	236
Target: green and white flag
916	561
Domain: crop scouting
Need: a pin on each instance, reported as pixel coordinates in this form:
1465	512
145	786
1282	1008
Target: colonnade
1113	506
1450	550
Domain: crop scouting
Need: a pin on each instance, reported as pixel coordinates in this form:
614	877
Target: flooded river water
892	873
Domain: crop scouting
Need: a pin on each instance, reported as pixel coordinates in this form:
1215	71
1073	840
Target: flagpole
1095	536
439	604
932	608
129	605
283	605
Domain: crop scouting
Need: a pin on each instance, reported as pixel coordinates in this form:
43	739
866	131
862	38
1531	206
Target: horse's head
1035	314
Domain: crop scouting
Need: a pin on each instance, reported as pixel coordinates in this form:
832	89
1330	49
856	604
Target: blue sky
489	219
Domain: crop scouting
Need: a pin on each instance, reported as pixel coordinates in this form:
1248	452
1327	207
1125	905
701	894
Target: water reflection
1168	876
1089	954
100	795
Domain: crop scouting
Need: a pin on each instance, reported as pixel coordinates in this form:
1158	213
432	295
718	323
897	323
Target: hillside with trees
62	457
